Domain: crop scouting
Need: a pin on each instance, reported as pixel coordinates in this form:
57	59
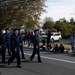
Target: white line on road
67	61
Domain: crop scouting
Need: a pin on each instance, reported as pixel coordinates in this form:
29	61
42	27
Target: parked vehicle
55	36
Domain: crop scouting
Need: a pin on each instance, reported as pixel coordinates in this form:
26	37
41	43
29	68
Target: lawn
66	46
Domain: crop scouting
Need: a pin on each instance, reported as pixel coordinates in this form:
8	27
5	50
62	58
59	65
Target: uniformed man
15	41
2	44
8	40
21	44
36	46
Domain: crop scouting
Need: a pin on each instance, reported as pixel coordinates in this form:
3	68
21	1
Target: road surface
52	64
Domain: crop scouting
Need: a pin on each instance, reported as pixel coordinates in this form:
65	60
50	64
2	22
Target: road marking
67	61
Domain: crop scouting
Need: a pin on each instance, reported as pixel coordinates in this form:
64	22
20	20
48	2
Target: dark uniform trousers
3	53
22	51
3	46
15	45
21	45
8	40
15	54
8	47
36	50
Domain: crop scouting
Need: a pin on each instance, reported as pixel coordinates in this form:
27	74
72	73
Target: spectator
48	37
61	48
56	48
49	47
32	39
73	41
44	47
25	38
28	37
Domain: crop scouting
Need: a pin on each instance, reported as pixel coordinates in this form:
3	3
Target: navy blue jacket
21	38
36	40
15	41
8	37
2	40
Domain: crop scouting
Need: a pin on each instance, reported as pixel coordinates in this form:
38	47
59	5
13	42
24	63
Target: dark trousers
15	54
3	49
22	51
29	42
8	48
48	41
36	50
0	51
24	40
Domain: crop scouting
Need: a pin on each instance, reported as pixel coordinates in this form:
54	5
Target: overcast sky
60	8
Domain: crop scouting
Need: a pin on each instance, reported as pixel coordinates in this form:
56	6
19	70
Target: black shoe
30	58
39	61
23	57
8	63
3	62
9	54
19	66
0	72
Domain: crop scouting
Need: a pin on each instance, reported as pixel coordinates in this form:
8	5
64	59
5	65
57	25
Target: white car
55	36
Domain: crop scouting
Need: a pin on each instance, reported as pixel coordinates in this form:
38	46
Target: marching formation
13	42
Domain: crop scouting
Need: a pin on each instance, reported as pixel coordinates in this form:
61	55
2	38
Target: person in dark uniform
15	41
36	46
21	44
2	44
8	40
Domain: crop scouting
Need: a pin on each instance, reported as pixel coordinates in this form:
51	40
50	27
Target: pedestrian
32	39
44	46
61	48
21	43
15	41
36	48
29	38
48	37
49	46
72	38
2	44
25	38
8	40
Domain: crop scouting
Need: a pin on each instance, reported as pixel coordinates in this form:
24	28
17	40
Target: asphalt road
52	64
